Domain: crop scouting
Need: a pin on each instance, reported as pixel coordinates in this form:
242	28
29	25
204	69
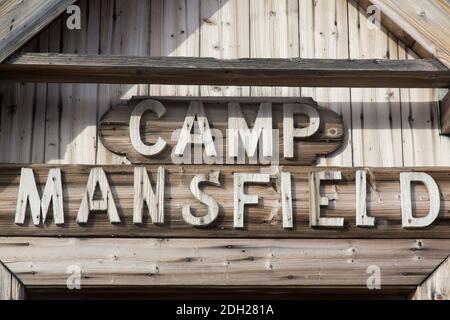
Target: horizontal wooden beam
262	220
445	114
222	262
437	285
52	67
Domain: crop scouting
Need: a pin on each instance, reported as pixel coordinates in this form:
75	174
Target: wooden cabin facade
372	73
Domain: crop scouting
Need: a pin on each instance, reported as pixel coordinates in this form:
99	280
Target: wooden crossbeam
223	262
72	68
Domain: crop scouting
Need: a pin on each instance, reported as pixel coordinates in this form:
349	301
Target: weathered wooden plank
263	220
324	35
124	30
221	262
39	108
108	94
19	113
52	67
376	113
445	114
391	25
131	37
180	38
437	285
169	115
53	104
8	105
235	19
210	38
273	21
23	117
422	143
79	102
20	21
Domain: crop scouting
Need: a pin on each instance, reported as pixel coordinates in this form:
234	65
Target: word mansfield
97	196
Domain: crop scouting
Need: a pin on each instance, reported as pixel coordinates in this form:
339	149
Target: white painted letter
408	221
315	200
204	137
143	191
240	198
98	177
362	219
286	200
237	127
28	192
213	207
135	124
290	132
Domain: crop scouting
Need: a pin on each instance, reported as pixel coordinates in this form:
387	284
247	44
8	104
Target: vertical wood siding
55	123
376	119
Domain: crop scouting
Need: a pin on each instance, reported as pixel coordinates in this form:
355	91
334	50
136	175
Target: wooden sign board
163	130
228	201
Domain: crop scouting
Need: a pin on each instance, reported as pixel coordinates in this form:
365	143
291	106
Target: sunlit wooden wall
55	123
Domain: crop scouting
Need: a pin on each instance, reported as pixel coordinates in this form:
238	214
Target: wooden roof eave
424	26
20	21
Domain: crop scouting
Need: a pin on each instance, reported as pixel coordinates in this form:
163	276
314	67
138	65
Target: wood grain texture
114	127
273	21
235	37
20	21
445	114
83	116
210	43
221	262
437	285
389	24
213	207
53	112
324	34
124	30
263	220
180	37
376	113
422	143
426	22
52	67
20	117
